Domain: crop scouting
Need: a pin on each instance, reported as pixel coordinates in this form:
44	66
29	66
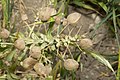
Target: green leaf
103	6
11	55
21	35
55	69
51	20
1	63
34	36
43	46
5	53
49	31
118	71
59	29
118	22
15	77
103	61
23	54
29	41
3	77
118	43
49	78
5	12
81	4
9	77
116	1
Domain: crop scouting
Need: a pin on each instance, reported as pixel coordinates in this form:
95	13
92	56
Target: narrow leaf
103	61
11	55
103	6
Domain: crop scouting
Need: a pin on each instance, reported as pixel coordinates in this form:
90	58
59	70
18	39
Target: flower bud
71	64
19	44
4	33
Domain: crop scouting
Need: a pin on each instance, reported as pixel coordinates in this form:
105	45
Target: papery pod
35	52
4	33
46	13
48	69
86	43
28	63
73	18
71	64
40	69
19	44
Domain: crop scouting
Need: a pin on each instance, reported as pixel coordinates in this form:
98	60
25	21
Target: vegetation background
35	45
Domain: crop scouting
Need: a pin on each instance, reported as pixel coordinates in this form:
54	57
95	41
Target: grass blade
116	34
103	6
83	5
103	21
5	12
103	61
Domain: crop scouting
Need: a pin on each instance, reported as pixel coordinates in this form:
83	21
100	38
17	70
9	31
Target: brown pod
46	13
4	33
71	64
35	52
19	44
40	69
86	43
73	18
48	69
28	63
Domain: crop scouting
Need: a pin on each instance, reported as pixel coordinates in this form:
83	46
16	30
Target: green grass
7	11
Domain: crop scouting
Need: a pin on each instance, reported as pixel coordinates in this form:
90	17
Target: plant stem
115	27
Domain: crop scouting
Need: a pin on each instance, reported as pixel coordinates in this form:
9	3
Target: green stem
49	31
117	38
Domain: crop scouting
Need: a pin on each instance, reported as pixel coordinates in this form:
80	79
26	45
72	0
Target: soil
104	42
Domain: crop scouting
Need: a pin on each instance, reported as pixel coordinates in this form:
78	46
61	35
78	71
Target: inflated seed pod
46	13
19	44
35	52
40	69
86	43
71	64
73	18
4	33
28	63
48	69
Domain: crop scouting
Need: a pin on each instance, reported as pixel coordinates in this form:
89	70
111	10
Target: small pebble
93	16
97	20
